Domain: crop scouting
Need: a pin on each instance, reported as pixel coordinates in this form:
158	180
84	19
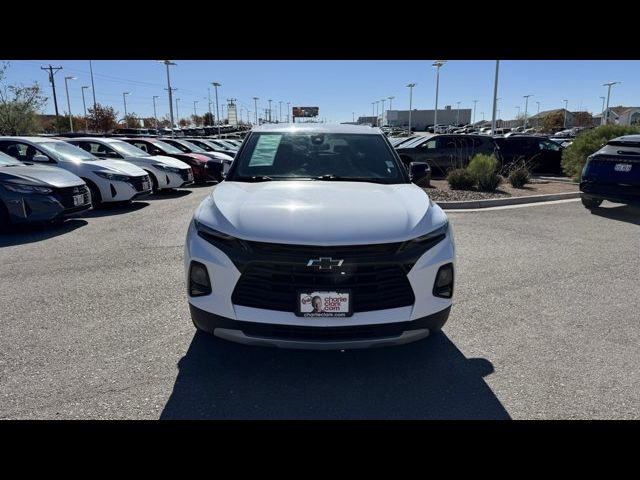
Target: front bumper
39	208
316	337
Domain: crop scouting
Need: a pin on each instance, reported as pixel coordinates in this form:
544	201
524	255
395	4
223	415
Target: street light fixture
564	123
410	86
606	110
66	86
526	105
168	63
437	64
391	102
84	107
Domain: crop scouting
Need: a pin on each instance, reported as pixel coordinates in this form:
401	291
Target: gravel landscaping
440	191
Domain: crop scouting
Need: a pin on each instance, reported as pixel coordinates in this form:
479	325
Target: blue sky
339	87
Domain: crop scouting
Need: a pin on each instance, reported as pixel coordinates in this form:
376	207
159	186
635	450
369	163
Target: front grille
65	195
328	334
138	181
376	276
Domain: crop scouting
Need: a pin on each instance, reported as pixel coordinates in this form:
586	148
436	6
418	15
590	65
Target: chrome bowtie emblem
324	263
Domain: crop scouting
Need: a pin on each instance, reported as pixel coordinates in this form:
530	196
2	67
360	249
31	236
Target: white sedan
108	180
165	172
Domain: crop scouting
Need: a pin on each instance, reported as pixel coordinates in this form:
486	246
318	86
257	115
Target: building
621	116
421	119
366	120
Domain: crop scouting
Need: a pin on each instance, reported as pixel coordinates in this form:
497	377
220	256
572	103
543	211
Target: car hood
116	166
219	156
40	175
162	159
320	212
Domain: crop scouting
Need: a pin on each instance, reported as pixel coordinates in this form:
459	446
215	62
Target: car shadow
429	379
107	209
167	195
209	183
30	233
623	213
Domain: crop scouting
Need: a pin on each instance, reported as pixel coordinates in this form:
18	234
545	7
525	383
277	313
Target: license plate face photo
324	304
622	167
78	200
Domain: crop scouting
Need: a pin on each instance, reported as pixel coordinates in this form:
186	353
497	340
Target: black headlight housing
199	282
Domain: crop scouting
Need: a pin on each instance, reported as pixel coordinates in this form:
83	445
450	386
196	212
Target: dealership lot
95	324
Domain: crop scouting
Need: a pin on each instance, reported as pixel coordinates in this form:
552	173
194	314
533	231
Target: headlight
209	233
434	236
18	188
112	176
166	168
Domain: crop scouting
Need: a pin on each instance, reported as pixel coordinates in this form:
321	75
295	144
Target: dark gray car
31	193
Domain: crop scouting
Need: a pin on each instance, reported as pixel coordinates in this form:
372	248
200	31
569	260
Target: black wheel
96	197
591	202
5	220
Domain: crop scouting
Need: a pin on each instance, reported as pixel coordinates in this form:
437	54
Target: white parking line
506	207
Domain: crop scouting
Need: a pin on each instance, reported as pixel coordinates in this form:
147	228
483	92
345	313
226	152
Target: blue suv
613	173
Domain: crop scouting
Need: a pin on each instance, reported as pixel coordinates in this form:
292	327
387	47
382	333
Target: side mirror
420	173
156	151
40	158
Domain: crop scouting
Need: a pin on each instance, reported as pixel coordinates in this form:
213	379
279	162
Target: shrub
459	179
483	171
575	155
519	177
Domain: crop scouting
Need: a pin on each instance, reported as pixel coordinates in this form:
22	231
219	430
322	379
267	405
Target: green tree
197	120
102	119
149	122
552	122
19	106
575	156
207	118
131	120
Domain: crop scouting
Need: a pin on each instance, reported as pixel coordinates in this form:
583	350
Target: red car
199	163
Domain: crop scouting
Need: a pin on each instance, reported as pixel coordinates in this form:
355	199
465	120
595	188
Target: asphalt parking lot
94	324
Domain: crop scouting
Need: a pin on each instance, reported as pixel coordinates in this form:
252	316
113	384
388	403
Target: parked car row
48	179
449	151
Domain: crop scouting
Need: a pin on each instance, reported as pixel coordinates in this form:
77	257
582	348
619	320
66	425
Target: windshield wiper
338	178
260	178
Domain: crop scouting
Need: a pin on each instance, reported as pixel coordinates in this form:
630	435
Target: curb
558	179
499	202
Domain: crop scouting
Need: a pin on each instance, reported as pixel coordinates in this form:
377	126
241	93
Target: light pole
280	111
270	110
410	86
495	98
526	105
177	112
382	115
437	64
255	105
475	102
373	109
458	114
538	115
84	107
602	114
124	97
391	102
209	97
167	64
215	86
564	124
606	110
288	111
66	86
155	116
195	112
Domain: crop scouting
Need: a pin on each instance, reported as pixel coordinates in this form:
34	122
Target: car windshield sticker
265	151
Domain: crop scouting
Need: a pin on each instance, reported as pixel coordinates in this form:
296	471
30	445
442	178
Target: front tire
96	197
5	220
591	203
154	183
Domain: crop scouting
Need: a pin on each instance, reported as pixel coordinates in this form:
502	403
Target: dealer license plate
324	304
622	167
78	200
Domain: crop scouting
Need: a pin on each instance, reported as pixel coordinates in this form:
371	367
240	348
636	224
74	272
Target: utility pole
53	86
411	85
255	108
66	86
270	110
288	111
155	116
474	112
170	90
606	110
84	107
280	112
564	124
526	105
495	99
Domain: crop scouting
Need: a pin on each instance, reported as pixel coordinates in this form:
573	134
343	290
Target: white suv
108	180
318	239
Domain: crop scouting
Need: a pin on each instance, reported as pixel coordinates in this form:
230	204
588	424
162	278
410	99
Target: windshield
6	160
66	151
318	156
170	149
126	149
194	148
